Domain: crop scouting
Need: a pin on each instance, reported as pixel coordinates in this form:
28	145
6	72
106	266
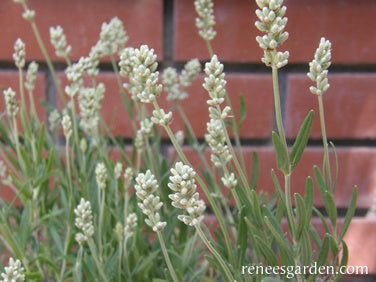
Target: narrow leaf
281	153
349	214
331	208
255	171
301	140
300	214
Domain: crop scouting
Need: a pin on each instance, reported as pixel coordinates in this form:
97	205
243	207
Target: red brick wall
168	27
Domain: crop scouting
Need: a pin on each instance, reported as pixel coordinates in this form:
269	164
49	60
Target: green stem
167	258
215	253
235	132
97	262
78	264
100	227
277	106
210	49
326	165
290	214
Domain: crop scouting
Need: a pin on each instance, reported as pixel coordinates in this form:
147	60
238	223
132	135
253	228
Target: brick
307	23
258	95
81	22
10	79
356	166
349	106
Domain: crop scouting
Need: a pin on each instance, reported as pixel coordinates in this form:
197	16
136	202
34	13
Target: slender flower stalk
182	183
145	187
318	73
101	177
272	22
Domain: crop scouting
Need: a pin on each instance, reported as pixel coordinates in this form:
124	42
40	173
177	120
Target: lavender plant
78	214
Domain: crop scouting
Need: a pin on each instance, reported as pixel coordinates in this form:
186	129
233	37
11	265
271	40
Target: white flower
318	67
101	175
19	53
13	272
84	218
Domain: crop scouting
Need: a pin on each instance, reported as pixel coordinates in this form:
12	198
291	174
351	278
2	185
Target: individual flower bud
84	218
101	175
31	76
10	102
67	126
206	21
81	238
14	272
19	53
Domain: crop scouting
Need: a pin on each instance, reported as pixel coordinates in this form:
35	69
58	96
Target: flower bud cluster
101	175
174	84
90	103
161	118
94	58
146	185
216	139
67	126
130	225
141	67
28	15
118	170
10	102
84	221
128	176
272	22
59	41
13	272
215	82
182	182
113	37
19	53
206	21
54	120
31	76
318	67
